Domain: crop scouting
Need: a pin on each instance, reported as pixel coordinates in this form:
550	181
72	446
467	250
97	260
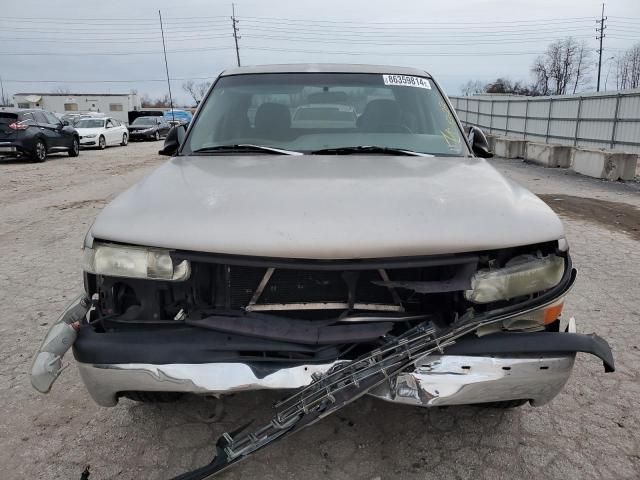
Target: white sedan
102	132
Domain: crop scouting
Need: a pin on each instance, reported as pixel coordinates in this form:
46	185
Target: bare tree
563	68
541	76
504	85
160	102
145	100
203	87
584	62
472	87
190	87
5	100
196	90
628	68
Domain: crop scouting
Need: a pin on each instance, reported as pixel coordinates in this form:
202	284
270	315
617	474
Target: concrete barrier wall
606	164
548	155
609	165
608	120
509	148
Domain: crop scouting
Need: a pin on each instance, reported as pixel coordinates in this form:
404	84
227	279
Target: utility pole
600	37
235	30
166	67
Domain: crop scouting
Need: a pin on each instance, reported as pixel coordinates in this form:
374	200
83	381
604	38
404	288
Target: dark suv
34	134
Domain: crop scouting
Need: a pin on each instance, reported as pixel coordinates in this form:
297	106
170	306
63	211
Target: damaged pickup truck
327	230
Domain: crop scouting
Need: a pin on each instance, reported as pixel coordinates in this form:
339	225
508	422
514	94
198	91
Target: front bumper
141	136
436	380
88	142
497	367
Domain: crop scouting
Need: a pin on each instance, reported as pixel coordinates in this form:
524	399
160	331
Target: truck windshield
307	112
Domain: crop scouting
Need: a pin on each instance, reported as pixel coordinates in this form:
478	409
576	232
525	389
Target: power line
403	32
391	27
343	22
124	54
59	20
92	31
195	33
495	41
404	53
352	38
107	42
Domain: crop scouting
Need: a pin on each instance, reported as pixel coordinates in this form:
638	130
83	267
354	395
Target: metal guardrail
601	120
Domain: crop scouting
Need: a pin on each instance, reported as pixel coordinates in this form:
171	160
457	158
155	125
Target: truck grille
303	286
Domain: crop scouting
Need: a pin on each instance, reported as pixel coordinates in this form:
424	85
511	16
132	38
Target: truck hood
327	207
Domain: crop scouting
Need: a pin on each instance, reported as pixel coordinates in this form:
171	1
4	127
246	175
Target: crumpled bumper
497	367
436	380
440	380
530	366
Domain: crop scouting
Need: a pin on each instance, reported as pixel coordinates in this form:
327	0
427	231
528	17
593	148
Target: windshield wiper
369	149
246	147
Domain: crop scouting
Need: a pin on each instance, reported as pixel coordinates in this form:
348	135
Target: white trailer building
116	105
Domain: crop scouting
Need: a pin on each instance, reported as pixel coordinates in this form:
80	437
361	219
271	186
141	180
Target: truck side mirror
479	143
174	139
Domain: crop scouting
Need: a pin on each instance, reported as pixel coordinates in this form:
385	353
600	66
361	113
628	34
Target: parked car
73	118
388	259
177	117
148	128
34	134
102	132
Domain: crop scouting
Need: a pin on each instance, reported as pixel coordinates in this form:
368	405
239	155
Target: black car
34	134
148	128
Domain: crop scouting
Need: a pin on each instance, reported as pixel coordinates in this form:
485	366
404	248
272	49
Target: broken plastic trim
460	281
47	362
346	384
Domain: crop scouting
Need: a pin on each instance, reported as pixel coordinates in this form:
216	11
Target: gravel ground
589	431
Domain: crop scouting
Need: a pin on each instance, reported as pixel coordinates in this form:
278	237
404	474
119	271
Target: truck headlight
134	262
522	275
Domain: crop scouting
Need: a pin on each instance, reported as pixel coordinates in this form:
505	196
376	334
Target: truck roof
325	68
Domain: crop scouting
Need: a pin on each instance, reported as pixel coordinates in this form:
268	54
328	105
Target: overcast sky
455	40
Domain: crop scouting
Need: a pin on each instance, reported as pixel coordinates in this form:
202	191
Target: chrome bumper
435	380
460	380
